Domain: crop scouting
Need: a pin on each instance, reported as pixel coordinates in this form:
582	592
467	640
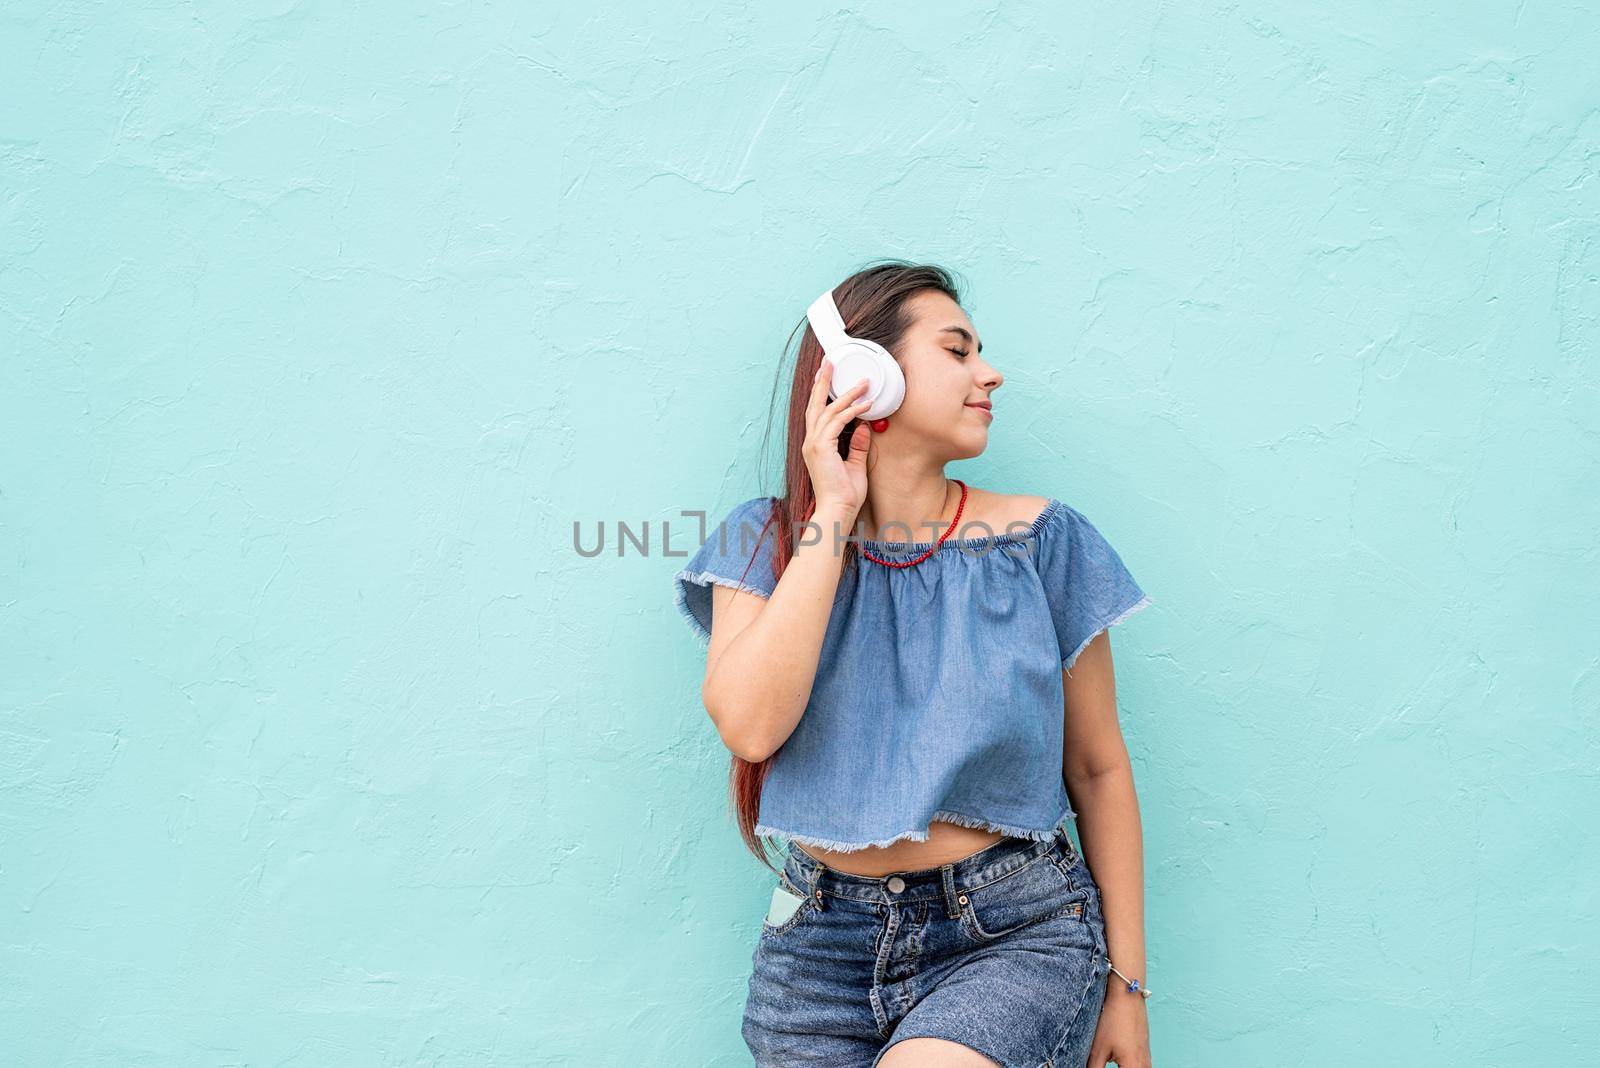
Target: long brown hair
872	303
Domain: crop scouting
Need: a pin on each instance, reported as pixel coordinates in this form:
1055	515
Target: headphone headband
826	322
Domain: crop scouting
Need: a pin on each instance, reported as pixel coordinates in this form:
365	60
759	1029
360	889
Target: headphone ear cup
857	359
893	390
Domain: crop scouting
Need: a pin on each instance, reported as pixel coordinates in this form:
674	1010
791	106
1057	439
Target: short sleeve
1085	581
739	552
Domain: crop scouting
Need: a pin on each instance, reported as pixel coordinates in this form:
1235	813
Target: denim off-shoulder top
938	690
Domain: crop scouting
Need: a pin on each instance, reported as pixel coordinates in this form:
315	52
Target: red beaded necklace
934	547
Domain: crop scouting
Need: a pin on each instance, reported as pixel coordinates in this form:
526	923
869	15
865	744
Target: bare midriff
947	842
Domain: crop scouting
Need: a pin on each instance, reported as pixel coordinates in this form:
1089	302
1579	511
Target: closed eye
959	352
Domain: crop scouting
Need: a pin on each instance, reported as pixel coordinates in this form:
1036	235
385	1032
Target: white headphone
855	358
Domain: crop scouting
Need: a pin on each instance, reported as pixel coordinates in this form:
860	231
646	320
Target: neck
907	505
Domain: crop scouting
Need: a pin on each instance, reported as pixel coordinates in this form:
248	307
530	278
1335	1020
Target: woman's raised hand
836	482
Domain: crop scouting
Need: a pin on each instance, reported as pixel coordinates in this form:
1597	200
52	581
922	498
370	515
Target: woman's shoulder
1005	513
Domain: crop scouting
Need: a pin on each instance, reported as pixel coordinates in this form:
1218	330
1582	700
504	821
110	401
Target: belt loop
1066	842
947	877
815	878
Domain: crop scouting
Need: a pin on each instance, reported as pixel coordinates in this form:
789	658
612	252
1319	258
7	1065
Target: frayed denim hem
1124	614
943	815
680	597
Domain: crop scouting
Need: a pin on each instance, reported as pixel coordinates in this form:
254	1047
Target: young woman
915	680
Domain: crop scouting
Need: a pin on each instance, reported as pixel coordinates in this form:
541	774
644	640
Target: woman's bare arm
1099	780
764	652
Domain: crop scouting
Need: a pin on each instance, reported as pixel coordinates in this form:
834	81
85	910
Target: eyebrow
963	332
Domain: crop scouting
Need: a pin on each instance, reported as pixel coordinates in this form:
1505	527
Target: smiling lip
983	407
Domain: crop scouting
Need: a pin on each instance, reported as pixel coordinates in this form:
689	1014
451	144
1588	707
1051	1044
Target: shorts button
896	884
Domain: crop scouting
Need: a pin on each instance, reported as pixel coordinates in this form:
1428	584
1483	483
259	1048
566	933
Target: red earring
879	425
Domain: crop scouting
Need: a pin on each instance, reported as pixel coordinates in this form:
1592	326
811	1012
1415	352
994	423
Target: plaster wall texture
323	324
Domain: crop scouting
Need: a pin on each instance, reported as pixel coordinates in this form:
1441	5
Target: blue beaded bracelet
1134	986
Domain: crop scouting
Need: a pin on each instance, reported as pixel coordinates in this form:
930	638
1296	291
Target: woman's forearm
1112	837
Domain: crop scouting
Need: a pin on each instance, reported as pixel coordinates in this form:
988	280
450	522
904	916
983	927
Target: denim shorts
1003	950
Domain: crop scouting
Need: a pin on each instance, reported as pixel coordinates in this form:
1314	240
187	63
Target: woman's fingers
823	416
819	394
860	439
846	399
833	426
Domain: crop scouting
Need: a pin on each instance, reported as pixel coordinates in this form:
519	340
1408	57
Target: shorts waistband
819	882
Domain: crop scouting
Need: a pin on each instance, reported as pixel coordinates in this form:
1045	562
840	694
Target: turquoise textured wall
324	323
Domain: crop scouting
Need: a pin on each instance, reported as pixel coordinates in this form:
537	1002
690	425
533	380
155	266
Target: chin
968	446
